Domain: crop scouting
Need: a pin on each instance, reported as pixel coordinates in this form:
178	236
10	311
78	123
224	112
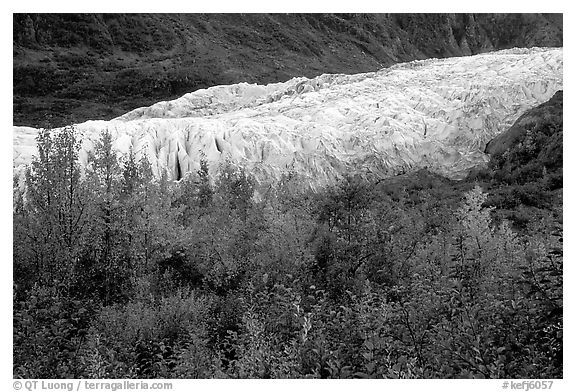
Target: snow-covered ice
435	113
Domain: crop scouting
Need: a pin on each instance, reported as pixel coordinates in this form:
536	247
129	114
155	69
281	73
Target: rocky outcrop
436	114
69	68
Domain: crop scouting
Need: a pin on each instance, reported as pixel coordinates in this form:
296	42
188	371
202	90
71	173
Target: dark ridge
531	150
545	117
525	174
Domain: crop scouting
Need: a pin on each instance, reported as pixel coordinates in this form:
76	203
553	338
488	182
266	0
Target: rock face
436	114
69	68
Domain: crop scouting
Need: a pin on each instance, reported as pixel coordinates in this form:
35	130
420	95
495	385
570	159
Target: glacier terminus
437	114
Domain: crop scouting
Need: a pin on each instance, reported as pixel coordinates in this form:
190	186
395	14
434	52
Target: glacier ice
435	113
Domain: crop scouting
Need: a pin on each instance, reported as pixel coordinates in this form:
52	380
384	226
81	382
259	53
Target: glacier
437	114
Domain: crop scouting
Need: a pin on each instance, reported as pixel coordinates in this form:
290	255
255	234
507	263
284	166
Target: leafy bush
144	339
49	331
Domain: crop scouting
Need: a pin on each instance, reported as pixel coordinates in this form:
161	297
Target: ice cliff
435	113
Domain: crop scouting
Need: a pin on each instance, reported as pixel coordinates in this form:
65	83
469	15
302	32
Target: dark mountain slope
532	147
74	67
525	174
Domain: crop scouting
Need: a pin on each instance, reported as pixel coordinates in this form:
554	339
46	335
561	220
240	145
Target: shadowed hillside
71	68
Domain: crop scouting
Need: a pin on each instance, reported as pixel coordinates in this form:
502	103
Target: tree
105	262
130	176
475	219
194	194
474	248
205	190
55	204
235	189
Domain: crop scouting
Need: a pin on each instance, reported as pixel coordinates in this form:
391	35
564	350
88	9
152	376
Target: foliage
49	331
121	274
